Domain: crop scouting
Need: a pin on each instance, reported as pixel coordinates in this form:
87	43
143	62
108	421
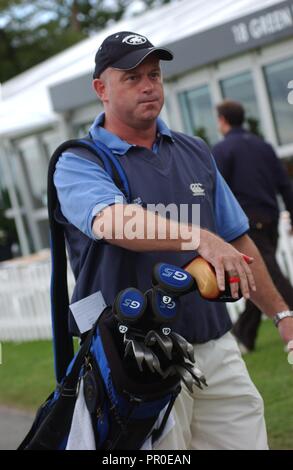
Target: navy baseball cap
125	50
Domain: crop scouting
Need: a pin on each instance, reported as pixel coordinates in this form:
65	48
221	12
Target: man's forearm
266	297
148	231
137	229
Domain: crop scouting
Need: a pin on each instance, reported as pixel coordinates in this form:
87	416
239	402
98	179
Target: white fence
25	286
25	298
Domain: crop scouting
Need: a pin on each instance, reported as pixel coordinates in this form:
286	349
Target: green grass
273	376
26	374
27	378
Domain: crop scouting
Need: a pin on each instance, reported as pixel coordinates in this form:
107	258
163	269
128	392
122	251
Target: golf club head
128	336
164	342
196	373
152	360
134	349
186	377
183	347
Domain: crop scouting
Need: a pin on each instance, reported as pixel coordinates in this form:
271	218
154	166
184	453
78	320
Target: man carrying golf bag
129	162
126	374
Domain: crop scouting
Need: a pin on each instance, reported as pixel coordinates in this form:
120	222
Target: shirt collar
117	145
235	130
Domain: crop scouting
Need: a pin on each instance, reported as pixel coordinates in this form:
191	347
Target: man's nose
147	84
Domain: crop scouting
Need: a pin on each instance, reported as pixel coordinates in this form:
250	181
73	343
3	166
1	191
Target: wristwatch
279	316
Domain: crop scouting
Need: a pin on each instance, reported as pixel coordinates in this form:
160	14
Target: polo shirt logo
137	200
197	189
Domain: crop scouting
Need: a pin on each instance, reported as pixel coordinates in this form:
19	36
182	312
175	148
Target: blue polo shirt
164	175
83	184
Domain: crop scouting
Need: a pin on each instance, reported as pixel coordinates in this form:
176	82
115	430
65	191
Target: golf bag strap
31	433
62	340
68	395
70	381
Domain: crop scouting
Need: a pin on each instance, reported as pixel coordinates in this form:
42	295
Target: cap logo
134	39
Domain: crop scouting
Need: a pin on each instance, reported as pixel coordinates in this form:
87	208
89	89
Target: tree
32	31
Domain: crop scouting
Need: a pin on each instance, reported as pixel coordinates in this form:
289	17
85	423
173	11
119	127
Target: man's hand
225	258
285	328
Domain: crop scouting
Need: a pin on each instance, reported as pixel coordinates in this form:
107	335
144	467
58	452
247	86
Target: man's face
134	97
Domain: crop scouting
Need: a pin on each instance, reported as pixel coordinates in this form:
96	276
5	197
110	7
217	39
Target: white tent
25	103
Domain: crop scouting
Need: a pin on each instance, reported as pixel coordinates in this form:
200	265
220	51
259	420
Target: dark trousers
246	327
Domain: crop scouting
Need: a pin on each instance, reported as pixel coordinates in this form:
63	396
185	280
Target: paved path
14	424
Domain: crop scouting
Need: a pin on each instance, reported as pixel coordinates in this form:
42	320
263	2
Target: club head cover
206	280
129	306
172	279
164	308
205	277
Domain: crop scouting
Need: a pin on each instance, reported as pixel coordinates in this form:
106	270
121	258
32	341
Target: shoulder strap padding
62	340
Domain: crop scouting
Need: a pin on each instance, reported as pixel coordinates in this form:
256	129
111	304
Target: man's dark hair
232	111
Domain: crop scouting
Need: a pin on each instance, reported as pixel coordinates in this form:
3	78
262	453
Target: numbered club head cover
129	305
172	279
164	307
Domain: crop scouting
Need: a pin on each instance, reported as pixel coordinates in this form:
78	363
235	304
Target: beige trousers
228	414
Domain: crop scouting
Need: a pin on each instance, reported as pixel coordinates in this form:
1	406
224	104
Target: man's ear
100	88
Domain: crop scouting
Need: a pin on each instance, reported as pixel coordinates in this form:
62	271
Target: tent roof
25	100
